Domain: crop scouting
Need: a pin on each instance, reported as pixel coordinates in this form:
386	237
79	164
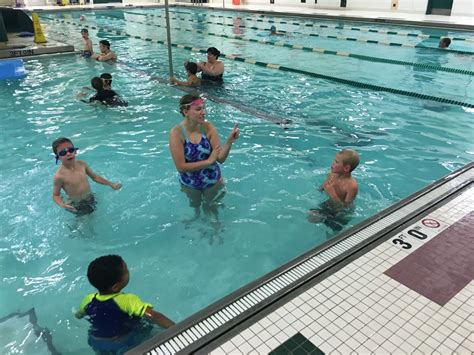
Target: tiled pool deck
391	300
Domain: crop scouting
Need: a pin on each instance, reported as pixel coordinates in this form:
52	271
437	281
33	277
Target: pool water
271	175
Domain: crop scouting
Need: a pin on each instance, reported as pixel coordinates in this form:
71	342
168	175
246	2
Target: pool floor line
316	267
297	71
313	49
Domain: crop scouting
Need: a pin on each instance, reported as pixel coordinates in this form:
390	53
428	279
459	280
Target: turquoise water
271	176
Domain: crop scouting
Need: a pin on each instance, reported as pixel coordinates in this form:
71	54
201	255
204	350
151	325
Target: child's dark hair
58	142
84	30
105	271
446	41
97	83
191	67
214	51
107	77
105	43
186	101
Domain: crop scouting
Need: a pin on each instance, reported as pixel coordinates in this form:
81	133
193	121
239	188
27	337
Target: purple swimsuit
204	178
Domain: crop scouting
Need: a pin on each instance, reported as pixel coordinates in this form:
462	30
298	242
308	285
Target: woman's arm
214	139
176	145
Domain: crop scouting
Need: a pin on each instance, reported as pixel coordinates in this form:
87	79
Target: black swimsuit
214	78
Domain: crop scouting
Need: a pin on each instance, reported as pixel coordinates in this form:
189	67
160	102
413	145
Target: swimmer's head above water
107	80
61	147
444	42
214	51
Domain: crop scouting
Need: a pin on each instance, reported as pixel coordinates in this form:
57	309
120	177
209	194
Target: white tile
245	348
228	346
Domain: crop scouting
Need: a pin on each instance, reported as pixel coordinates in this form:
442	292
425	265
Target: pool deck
401	282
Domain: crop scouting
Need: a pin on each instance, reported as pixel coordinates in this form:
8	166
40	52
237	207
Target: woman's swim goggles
63	152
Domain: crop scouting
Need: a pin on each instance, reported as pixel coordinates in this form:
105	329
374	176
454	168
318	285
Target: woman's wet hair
105	271
191	67
97	83
186	101
214	51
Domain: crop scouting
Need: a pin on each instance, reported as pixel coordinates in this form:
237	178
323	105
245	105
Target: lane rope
432	67
284	68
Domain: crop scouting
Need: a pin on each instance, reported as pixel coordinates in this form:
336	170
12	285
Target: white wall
463	8
460	7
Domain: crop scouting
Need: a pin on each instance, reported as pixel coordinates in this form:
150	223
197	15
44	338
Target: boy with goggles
72	178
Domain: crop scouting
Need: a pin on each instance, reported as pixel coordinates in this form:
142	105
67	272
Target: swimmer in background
72	178
274	32
87	51
341	188
193	80
444	43
212	71
105	96
105	52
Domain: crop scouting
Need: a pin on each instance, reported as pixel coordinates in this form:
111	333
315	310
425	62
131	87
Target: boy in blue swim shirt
115	317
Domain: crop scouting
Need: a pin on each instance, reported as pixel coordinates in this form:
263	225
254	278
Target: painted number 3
403	244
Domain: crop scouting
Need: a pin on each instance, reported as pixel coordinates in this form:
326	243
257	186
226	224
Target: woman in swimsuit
196	152
213	69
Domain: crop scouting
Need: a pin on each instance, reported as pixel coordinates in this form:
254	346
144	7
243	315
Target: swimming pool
271	175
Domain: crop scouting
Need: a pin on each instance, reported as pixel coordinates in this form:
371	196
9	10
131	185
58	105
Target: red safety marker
430	223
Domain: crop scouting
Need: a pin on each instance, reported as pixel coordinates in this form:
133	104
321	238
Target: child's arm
179	82
158	318
100	180
57	186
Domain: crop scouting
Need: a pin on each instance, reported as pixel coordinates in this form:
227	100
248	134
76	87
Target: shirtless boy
191	70
87	51
72	178
341	188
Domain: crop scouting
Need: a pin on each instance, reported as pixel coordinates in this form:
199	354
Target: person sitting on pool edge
105	96
213	70
105	52
72	178
193	80
444	43
116	317
341	188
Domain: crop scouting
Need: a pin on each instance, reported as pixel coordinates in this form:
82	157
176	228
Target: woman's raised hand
234	134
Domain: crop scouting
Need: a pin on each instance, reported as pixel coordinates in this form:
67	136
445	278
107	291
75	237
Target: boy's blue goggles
67	150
